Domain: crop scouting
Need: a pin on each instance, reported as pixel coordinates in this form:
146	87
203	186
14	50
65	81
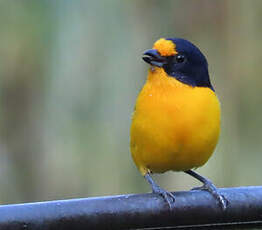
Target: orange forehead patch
165	47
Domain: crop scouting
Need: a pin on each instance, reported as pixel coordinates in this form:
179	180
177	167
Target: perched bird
176	120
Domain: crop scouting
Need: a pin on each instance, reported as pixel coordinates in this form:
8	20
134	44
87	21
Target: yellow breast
174	126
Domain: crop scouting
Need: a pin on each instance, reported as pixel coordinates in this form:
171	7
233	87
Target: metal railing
193	210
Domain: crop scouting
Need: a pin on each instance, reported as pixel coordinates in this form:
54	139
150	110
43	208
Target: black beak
154	58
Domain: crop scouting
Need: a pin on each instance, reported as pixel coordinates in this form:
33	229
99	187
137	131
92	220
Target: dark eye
180	58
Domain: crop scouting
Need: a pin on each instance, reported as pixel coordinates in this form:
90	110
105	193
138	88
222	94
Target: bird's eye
180	58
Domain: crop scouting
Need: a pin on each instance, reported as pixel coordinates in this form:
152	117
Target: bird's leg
210	187
168	196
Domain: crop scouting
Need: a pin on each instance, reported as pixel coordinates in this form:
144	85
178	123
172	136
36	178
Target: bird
175	125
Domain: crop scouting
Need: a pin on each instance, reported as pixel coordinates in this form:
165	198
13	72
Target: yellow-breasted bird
176	122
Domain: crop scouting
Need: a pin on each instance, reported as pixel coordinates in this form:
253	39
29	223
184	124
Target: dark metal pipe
193	208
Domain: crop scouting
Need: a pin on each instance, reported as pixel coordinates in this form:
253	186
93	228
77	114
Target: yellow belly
174	126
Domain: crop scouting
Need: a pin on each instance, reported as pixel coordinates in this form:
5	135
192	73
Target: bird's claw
199	188
223	202
168	196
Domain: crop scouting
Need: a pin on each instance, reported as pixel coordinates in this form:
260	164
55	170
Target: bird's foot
168	196
210	187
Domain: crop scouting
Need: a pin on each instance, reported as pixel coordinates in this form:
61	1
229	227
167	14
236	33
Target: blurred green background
69	75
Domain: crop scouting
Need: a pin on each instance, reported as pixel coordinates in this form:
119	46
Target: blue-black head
183	61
